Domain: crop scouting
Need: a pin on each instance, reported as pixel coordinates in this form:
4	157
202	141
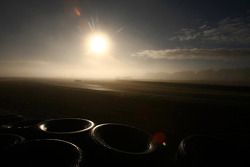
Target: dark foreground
177	110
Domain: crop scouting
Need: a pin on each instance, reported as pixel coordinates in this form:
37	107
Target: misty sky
46	37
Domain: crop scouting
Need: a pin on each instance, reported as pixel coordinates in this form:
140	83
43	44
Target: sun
98	43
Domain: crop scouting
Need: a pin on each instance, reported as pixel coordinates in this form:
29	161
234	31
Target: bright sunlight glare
98	43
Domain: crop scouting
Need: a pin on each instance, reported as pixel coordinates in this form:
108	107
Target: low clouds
186	34
227	31
228	39
203	54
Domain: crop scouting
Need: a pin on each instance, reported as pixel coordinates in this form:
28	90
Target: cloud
231	30
204	54
186	34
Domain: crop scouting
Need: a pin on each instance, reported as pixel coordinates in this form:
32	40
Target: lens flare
159	138
77	11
